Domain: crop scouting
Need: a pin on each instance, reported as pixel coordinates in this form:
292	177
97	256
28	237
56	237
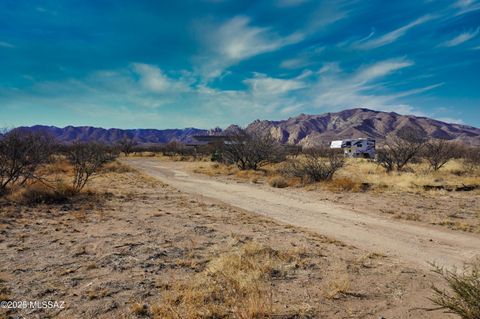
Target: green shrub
463	297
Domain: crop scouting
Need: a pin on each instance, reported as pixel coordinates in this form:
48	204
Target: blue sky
206	63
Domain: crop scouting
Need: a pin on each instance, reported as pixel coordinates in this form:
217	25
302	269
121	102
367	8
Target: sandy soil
104	254
415	243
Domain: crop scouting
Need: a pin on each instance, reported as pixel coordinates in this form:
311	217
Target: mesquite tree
87	159
399	150
21	154
439	152
252	150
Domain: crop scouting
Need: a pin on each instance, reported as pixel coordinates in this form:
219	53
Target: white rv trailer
360	147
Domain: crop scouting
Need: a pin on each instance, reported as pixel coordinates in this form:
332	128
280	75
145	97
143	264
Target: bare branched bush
252	150
472	158
173	148
463	298
401	149
127	146
316	165
439	152
21	154
87	159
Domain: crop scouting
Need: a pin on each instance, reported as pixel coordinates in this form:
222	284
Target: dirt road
413	243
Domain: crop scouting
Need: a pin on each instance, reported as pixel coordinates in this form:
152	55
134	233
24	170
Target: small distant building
210	144
360	147
212	139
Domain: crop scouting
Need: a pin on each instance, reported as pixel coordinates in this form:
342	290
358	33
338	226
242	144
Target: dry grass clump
216	169
140	309
39	193
59	166
339	283
116	167
236	284
344	184
463	298
278	182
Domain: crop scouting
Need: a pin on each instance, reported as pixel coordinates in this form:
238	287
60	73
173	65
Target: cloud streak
237	40
6	45
461	38
390	37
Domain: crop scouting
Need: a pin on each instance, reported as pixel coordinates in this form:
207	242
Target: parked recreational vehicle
360	147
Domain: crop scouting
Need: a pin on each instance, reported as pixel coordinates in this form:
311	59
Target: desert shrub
316	165
21	154
471	158
439	152
87	159
401	149
126	146
278	182
252	150
463	297
174	148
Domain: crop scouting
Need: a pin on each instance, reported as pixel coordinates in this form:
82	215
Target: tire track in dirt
413	243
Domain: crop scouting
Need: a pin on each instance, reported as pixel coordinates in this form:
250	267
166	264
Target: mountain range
305	130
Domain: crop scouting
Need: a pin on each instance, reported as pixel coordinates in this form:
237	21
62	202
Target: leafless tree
21	154
127	145
401	149
472	158
252	150
439	152
87	159
317	164
173	148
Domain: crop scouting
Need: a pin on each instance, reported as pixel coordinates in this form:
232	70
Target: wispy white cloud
295	63
6	45
380	69
304	58
371	42
236	40
466	6
328	13
461	38
263	84
335	89
152	78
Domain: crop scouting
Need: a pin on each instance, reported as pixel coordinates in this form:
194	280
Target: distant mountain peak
303	129
312	130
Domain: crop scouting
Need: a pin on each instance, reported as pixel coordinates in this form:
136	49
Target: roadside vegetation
463	294
35	169
431	181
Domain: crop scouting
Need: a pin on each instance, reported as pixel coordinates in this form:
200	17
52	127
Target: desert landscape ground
239	159
155	237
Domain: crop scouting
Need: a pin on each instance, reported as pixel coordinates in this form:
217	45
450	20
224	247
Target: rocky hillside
306	130
111	136
310	130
